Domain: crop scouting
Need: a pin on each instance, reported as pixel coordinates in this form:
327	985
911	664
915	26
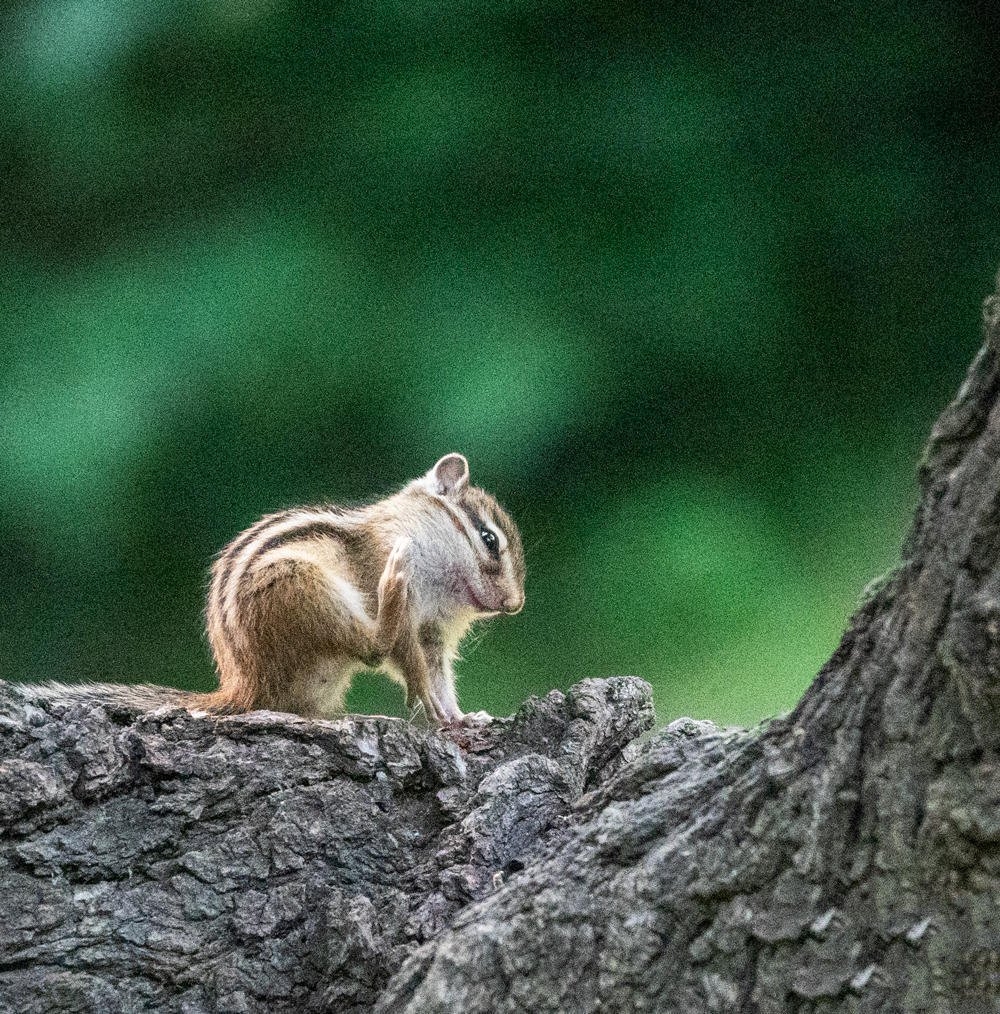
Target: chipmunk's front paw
392	598
395	575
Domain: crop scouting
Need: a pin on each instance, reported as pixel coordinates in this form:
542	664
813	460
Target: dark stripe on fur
229	555
309	530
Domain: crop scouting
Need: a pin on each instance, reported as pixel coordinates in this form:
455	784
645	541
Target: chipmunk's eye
490	541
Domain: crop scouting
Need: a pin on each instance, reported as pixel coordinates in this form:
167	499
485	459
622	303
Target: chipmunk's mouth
474	600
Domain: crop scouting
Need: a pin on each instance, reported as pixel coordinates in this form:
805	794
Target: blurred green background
688	287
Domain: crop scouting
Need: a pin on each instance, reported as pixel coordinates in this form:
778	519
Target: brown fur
302	600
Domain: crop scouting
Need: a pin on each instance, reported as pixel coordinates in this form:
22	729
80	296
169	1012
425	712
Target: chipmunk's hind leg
304	634
324	687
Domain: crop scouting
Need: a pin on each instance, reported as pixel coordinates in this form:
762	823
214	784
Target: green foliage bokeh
687	286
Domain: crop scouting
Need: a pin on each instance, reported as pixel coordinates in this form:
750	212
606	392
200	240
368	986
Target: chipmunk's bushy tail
129	696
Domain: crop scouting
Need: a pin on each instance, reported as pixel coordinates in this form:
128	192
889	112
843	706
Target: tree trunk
844	858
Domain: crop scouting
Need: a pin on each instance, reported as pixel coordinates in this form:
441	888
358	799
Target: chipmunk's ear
449	476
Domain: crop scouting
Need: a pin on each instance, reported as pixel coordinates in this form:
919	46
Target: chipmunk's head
483	567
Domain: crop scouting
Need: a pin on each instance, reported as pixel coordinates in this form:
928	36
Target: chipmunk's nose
514	604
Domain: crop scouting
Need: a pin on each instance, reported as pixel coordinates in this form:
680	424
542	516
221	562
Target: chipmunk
305	598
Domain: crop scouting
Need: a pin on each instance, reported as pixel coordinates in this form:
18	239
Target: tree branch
266	862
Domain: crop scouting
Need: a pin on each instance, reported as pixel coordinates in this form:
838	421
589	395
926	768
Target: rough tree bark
264	862
844	858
